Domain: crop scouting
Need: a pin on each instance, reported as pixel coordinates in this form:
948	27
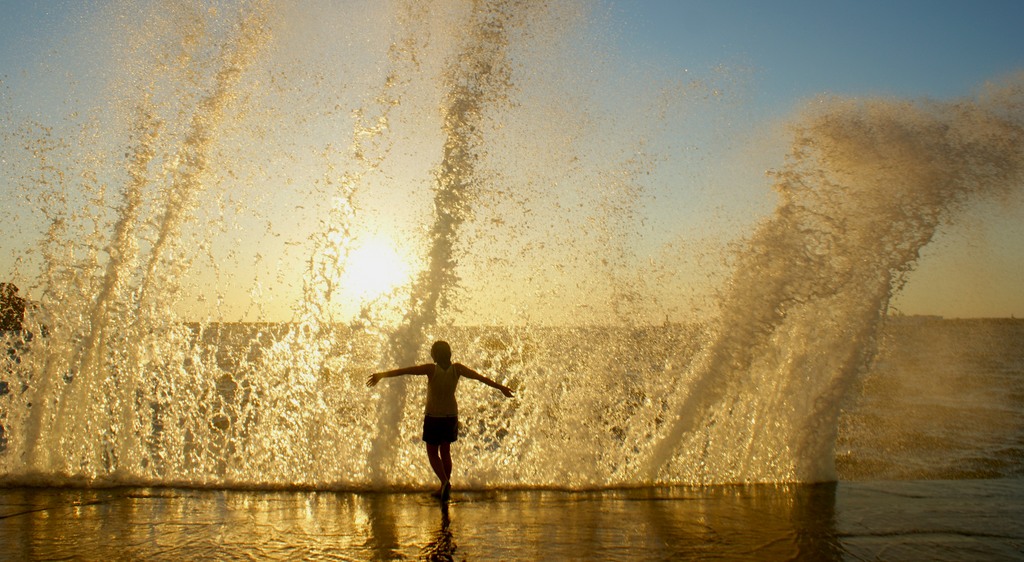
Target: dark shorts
440	430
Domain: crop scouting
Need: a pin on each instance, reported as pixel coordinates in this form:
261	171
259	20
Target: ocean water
942	401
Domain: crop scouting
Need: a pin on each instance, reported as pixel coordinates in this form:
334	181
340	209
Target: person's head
441	353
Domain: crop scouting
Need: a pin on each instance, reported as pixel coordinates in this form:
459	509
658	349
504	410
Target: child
441	422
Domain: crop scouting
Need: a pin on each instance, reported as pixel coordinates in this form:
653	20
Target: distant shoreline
889	318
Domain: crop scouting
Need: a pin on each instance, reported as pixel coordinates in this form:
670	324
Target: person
441	414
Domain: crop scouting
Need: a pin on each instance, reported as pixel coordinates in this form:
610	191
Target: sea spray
864	188
312	335
98	396
602	401
476	79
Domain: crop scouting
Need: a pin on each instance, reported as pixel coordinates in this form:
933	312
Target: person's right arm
417	370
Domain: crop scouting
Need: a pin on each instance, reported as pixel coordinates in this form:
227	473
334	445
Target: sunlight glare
375	268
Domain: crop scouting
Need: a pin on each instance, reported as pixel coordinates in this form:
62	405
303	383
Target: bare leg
446	460
437	464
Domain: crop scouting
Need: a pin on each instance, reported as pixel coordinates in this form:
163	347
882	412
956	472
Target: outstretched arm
471	374
417	370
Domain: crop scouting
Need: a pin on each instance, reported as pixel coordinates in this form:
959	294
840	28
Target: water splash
105	343
865	187
476	78
126	391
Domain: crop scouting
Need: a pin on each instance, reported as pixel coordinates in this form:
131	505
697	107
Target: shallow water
924	520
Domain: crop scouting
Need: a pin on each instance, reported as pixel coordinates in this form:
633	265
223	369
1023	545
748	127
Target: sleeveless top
441	392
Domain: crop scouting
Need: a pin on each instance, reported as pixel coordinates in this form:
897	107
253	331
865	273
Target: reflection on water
924	520
775	522
382	539
443	546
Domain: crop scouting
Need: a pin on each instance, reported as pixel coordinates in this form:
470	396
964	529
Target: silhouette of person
12	308
441	416
443	547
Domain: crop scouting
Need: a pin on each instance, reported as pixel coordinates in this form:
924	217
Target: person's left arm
471	374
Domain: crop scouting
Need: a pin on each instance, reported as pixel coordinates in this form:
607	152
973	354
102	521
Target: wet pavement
937	520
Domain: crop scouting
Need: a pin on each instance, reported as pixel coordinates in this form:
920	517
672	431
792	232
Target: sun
374	268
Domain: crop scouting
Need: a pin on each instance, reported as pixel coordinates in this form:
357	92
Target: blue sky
800	48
